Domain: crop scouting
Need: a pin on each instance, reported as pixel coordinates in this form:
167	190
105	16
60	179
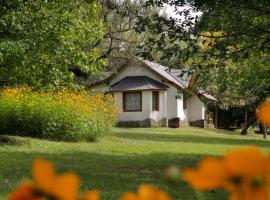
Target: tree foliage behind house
226	47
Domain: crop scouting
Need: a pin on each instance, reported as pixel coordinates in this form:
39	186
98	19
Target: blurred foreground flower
146	192
244	173
47	184
263	113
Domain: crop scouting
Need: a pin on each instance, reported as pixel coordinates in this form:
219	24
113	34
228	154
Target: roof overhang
137	83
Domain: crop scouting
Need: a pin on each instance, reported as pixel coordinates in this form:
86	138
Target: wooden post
216	115
264	131
246	120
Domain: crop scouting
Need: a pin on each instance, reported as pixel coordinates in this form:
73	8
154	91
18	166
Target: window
132	101
155	101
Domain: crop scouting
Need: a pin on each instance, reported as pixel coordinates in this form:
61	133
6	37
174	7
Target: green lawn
123	160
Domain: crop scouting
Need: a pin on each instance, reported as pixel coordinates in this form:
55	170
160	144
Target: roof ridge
175	79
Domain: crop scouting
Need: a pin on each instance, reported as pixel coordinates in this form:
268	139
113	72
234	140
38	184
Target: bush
73	116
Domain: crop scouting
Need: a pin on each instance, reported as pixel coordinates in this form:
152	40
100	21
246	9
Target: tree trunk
246	125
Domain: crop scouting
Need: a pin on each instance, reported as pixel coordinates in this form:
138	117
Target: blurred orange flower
47	184
24	192
210	174
64	187
146	192
91	195
244	173
263	112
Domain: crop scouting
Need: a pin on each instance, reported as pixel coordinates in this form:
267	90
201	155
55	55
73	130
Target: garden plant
62	115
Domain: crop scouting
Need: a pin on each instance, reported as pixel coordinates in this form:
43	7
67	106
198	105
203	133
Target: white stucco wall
196	108
172	110
175	105
146	107
180	110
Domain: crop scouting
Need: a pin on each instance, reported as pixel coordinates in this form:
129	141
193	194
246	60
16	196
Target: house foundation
144	123
198	123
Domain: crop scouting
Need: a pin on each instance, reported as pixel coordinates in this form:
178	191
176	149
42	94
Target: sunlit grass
123	160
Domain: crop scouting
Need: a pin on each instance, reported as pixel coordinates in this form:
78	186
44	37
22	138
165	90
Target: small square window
132	101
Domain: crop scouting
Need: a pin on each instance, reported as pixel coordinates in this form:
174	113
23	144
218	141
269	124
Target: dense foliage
64	115
43	42
224	46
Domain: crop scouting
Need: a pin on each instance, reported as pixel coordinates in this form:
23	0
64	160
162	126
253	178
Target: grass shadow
191	138
13	141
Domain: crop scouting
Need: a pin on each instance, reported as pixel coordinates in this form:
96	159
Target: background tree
41	42
120	40
225	47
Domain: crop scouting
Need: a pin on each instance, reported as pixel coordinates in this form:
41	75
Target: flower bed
72	116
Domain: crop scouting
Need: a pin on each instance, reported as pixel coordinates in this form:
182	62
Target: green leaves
42	40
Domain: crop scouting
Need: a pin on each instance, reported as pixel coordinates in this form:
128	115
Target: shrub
62	115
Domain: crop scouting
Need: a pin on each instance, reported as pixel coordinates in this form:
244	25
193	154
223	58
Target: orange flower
91	195
24	192
47	184
263	112
244	173
146	192
64	187
210	174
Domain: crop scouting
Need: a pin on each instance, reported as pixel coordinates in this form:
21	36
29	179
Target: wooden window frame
157	99
124	102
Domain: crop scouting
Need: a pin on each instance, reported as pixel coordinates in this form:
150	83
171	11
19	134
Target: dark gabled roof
133	83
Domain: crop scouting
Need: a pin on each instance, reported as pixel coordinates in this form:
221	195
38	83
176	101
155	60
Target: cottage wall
196	109
172	107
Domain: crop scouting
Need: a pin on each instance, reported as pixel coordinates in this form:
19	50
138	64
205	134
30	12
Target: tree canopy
226	46
42	42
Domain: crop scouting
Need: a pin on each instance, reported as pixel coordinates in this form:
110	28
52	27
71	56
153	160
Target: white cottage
148	94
